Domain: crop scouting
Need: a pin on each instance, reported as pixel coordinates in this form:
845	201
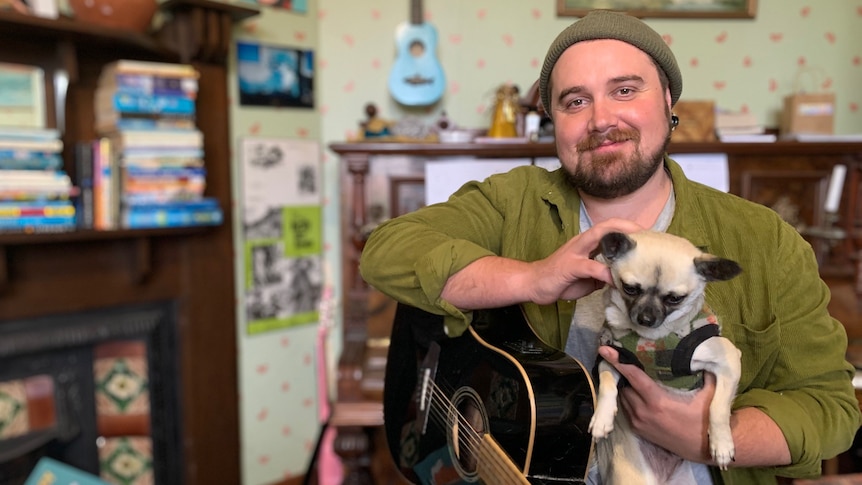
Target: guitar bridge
425	391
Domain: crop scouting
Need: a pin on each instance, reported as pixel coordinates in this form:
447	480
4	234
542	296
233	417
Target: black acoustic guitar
496	404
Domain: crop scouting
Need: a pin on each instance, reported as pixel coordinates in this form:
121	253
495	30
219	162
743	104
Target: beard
608	176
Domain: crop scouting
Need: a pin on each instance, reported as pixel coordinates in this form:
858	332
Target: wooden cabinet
790	177
55	274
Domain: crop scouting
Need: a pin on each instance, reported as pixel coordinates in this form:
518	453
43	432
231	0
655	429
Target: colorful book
107	103
49	471
199	213
52	146
30	160
129	66
130	139
28	133
133	121
25	222
53	208
22	95
105	186
85	200
150	84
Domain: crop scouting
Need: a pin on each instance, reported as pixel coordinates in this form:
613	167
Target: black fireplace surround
61	346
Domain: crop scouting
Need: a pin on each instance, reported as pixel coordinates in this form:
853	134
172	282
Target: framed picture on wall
726	9
406	195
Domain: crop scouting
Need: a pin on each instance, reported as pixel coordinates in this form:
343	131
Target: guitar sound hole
417	49
468	422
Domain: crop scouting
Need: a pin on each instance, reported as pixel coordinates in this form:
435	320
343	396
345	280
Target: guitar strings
470	439
467	435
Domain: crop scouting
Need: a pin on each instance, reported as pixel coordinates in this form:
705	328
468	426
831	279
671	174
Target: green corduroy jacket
793	352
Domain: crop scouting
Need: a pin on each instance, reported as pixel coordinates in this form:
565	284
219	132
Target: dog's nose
649	319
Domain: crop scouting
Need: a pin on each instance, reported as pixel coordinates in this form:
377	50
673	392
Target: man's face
611	116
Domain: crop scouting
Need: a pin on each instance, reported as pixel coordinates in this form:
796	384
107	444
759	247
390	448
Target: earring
674	122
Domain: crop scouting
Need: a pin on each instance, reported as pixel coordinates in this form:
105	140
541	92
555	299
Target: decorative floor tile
13	409
27	405
122	386
126	461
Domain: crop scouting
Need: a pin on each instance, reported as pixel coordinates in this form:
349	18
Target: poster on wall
298	6
275	76
282	232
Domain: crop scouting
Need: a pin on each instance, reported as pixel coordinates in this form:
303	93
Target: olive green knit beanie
605	24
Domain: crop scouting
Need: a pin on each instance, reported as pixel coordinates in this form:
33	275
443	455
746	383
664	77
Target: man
525	237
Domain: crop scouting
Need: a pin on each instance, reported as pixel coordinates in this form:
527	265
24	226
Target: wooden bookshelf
48	274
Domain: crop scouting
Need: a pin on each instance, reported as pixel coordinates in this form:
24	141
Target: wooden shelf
89	235
60	273
16	25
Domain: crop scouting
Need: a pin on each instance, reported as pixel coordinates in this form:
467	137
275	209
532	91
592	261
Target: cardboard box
696	121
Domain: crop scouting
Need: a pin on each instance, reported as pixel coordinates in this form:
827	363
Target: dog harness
668	360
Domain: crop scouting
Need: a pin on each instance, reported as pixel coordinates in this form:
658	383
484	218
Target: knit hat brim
605	24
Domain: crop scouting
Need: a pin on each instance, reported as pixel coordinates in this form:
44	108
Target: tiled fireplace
97	390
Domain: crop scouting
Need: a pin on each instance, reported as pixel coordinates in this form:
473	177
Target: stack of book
740	127
148	168
35	191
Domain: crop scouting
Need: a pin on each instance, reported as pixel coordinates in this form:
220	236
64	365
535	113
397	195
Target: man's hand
571	272
676	423
567	274
679	423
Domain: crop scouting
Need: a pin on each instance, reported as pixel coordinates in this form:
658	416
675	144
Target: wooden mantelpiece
758	171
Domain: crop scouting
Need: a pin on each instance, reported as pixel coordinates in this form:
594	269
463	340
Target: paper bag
808	113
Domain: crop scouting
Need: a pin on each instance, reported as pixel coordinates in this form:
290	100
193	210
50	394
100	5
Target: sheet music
707	168
444	177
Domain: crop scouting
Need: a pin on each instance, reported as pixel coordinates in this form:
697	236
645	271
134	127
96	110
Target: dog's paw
721	447
602	422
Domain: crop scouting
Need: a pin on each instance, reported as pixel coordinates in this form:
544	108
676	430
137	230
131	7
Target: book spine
151	84
84	175
33	161
104	191
51	146
139	218
164	172
141	103
16	209
34	221
129	66
127	123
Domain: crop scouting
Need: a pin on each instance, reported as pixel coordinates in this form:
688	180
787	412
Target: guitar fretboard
416	12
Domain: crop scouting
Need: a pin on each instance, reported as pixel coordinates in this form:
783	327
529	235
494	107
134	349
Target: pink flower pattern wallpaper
744	65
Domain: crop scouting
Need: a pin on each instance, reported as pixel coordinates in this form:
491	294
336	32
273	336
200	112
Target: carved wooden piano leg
353	445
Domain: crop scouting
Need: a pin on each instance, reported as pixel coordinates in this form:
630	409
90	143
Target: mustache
595	140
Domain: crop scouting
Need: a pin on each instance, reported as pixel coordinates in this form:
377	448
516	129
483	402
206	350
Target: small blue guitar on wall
417	77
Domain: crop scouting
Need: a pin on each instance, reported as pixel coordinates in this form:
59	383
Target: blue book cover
53	472
176	205
145	103
164	172
24	160
174	215
23	222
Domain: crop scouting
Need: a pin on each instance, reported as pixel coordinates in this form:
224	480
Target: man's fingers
636	377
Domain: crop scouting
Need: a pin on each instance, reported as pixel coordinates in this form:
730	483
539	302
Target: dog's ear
713	268
615	244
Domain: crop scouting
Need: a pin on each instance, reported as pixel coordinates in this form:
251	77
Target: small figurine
374	127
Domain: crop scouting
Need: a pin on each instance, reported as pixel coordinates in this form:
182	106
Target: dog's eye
673	299
631	290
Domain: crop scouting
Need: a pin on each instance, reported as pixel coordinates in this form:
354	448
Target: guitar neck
416	12
495	466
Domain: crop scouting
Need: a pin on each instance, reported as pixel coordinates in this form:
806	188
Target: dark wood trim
61	273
